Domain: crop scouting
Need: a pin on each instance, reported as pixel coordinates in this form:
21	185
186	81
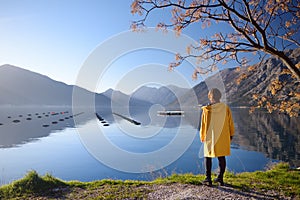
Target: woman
216	132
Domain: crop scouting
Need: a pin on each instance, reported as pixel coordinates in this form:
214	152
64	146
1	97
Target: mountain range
163	95
23	87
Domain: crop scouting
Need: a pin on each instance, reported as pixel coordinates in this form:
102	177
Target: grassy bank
279	178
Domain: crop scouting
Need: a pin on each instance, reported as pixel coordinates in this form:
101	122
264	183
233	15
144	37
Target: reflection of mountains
21	125
275	135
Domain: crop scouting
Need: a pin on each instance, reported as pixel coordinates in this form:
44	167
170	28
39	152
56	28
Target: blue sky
55	37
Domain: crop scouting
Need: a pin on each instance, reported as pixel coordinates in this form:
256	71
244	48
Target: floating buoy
16	121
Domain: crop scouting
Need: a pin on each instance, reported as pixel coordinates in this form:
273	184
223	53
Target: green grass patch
31	185
279	178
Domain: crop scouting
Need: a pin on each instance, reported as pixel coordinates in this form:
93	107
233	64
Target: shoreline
279	182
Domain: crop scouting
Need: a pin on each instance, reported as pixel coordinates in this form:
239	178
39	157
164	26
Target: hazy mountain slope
23	87
20	86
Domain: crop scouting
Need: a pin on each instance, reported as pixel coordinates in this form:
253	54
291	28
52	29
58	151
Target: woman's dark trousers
222	167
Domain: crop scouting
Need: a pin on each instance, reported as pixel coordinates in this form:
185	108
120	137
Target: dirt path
184	191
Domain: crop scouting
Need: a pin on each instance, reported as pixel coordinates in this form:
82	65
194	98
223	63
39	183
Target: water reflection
19	125
275	135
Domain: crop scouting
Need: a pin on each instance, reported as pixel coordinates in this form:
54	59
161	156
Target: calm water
46	139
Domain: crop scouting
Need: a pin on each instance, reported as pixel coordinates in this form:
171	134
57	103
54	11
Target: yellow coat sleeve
203	127
230	121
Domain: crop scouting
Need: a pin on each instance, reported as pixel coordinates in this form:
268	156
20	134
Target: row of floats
63	116
29	117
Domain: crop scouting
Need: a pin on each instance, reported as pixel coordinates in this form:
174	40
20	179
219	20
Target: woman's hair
216	94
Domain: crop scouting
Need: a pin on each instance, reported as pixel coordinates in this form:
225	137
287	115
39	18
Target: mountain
117	98
20	86
258	78
23	87
163	95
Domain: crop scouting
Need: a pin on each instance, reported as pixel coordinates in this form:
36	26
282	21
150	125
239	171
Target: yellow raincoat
216	129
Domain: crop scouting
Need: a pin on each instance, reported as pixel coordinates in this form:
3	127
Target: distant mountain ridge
163	95
23	87
19	86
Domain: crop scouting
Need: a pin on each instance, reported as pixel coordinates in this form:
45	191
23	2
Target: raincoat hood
215	108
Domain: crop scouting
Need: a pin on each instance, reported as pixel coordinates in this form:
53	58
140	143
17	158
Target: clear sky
55	37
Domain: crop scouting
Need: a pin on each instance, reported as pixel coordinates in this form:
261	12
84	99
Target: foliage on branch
276	99
262	28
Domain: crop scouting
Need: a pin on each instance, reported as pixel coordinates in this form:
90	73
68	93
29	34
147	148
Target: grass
279	178
32	184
